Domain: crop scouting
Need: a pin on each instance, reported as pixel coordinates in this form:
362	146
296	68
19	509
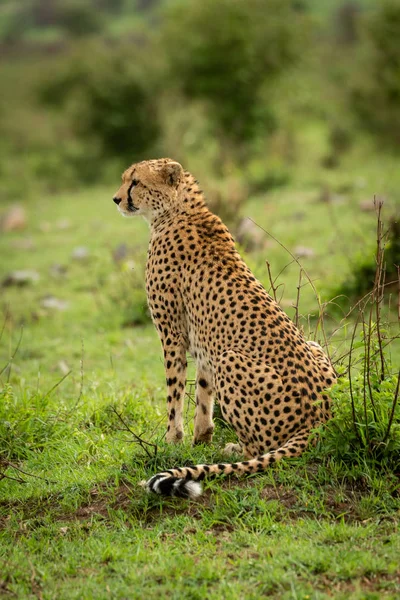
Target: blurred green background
287	111
271	91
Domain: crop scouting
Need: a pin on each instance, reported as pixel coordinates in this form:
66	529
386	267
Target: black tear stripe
131	206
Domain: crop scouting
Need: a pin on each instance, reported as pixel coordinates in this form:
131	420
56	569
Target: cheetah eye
133	184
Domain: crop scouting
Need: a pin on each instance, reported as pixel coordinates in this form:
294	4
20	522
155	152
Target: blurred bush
234	89
109	104
226	52
362	278
375	90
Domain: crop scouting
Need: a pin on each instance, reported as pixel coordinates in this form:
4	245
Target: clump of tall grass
366	407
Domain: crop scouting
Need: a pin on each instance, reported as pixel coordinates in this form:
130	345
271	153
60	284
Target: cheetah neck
190	200
191	197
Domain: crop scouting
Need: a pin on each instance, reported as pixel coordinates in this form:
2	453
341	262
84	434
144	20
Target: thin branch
4	322
282	270
142	443
395	399
81	382
56	385
379	279
365	369
7	464
271	280
367	358
353	408
296	305
17	479
14	353
296	260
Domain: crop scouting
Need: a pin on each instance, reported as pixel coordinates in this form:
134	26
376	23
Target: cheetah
269	381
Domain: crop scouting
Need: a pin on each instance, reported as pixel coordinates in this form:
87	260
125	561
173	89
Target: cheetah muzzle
268	380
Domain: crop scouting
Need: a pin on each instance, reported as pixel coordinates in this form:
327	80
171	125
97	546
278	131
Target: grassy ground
79	526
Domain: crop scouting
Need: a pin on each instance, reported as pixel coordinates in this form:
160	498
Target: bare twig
138	439
379	280
365	369
81	364
282	271
82	374
353	408
360	304
271	280
17	479
4	322
395	399
6	464
296	260
13	354
55	386
296	305
367	359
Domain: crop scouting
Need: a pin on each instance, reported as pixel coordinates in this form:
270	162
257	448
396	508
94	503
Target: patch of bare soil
104	498
383	583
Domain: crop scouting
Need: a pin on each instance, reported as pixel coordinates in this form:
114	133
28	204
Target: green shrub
110	107
126	294
366	419
27	424
77	18
375	90
366	402
362	279
225	52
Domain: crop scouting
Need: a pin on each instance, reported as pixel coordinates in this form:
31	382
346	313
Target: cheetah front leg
175	373
203	422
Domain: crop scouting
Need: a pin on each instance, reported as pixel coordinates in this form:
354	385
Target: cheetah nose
117	200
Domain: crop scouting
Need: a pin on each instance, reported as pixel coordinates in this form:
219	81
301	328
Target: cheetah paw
232	449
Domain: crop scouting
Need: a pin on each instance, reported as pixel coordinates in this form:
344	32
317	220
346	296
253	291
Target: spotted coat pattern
268	380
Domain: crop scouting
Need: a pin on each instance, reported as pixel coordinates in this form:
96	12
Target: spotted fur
268	380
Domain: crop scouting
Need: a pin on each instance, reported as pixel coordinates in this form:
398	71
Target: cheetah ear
172	173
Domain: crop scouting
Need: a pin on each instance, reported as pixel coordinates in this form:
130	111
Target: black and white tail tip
166	485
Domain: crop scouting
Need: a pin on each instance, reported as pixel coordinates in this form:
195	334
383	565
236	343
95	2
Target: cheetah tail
183	482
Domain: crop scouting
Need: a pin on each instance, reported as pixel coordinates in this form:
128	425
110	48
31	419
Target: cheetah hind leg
203	418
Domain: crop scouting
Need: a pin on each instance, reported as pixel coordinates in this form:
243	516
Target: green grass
80	526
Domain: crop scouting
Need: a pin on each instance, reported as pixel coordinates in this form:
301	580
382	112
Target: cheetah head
149	188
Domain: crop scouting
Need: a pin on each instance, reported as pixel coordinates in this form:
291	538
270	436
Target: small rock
298	216
45	226
250	236
54	303
303	252
120	253
80	253
57	271
63	366
360	182
63	224
367	205
23	244
128	265
325	194
14	219
21	278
